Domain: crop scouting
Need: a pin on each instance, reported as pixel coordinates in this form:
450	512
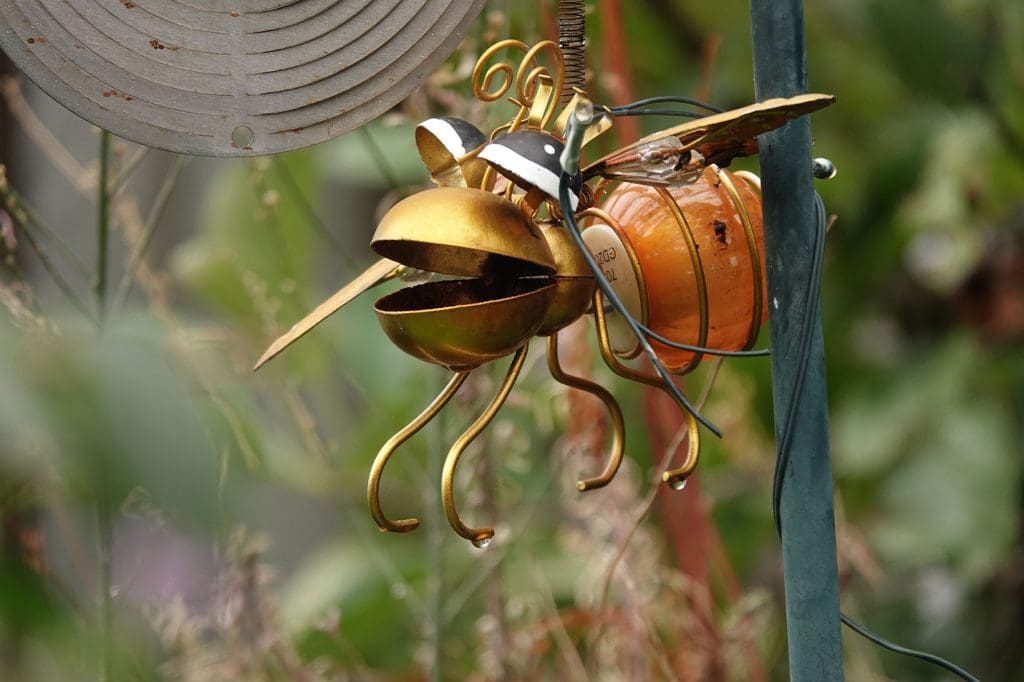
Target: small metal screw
242	137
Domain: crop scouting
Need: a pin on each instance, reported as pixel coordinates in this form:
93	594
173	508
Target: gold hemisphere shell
462	231
462	324
574	283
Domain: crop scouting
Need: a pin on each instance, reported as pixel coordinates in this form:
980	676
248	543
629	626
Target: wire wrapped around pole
572	39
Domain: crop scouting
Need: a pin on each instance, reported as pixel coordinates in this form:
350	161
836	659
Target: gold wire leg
393	443
480	537
614	413
676	478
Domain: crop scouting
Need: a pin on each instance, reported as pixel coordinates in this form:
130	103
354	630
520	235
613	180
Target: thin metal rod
807	514
102	225
104	513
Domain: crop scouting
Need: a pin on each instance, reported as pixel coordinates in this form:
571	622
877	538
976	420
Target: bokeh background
222	513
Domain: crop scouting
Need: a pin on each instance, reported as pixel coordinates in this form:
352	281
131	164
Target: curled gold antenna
614	414
523	80
480	537
393	443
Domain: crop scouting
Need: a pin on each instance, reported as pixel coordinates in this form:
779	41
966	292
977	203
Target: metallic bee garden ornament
659	243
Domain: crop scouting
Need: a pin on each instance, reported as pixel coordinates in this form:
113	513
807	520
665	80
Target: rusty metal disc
231	77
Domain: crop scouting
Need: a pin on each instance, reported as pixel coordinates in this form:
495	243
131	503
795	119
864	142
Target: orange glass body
713	230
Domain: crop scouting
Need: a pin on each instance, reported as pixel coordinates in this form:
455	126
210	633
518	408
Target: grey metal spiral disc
231	77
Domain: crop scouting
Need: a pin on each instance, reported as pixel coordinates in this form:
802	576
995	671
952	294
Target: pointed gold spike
379	272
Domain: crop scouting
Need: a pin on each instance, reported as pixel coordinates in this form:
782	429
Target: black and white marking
457	136
530	158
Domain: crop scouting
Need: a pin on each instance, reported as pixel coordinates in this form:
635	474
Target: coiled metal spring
572	39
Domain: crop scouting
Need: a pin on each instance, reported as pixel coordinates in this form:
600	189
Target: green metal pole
806	513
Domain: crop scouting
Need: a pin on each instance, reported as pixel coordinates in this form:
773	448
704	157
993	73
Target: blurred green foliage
242	549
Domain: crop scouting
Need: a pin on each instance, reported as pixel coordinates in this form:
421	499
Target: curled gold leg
480	537
614	413
676	478
393	443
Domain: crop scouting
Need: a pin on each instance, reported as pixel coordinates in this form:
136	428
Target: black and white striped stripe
530	158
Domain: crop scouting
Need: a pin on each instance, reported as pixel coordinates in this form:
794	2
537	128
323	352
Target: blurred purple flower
155	563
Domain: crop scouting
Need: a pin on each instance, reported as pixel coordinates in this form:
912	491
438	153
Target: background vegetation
241	548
